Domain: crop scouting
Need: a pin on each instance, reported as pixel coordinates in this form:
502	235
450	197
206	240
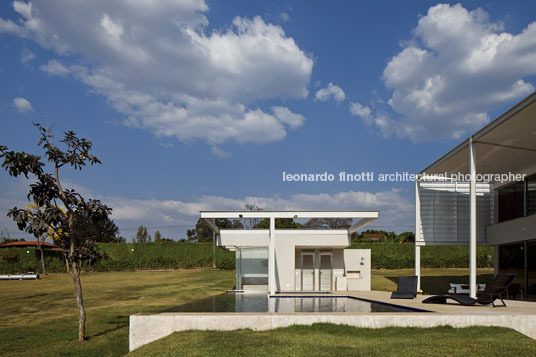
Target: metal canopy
507	144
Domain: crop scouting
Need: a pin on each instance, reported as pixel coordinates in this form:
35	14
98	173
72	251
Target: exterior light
132	249
27	252
295	216
240	216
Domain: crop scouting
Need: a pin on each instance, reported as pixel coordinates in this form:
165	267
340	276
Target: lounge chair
406	289
493	291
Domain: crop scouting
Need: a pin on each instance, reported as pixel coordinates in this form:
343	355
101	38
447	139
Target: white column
417	235
472	220
271	258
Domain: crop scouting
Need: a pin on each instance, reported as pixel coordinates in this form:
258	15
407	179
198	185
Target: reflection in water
230	302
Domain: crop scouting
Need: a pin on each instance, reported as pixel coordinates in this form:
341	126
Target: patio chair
406	289
493	291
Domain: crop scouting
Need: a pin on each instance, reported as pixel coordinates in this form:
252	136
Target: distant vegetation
186	255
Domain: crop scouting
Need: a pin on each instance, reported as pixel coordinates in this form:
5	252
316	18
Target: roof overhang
288	214
365	217
506	145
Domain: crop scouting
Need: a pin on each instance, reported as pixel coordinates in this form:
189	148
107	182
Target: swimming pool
281	303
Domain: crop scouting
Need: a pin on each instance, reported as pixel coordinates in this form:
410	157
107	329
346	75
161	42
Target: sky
202	105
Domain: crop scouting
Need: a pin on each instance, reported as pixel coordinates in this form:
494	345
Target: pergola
364	218
506	145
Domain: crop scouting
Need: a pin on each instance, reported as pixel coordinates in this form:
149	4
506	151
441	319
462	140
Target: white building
295	259
501	213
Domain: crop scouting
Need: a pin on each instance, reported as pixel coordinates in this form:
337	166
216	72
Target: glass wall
531	195
512	260
251	266
511	201
531	268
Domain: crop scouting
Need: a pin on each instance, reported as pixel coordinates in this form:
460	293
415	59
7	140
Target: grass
40	318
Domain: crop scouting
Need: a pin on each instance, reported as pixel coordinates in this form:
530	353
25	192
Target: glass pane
531	196
325	261
512	260
252	266
308	262
531	269
511	201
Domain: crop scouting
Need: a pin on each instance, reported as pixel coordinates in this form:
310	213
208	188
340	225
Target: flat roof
507	144
292	214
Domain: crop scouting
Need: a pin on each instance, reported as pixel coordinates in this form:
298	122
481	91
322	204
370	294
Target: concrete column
472	220
271	258
417	235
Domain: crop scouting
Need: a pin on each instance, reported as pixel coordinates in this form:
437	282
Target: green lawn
40	318
341	340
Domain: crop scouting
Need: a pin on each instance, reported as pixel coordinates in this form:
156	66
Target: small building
29	244
295	259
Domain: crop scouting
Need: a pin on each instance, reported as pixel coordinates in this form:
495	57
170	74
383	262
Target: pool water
237	302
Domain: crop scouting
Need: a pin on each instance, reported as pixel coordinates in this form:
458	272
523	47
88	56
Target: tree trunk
75	272
43	270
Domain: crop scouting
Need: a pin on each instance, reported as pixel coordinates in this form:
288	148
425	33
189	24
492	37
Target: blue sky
203	105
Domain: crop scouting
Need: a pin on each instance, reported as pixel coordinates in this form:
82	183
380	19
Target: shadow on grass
437	285
120	322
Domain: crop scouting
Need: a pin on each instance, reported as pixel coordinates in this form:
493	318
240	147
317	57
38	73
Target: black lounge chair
493	291
406	289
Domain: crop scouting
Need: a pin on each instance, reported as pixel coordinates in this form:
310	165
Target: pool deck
518	315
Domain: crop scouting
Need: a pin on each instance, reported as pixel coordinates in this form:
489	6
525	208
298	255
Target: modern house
295	259
496	202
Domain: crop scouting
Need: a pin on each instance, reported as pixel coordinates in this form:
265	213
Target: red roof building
29	244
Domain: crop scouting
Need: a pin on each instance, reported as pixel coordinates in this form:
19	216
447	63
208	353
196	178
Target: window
531	195
511	201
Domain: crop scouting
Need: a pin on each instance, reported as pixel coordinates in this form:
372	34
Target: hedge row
402	255
127	257
183	255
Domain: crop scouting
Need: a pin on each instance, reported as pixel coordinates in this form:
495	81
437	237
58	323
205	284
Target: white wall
286	242
511	231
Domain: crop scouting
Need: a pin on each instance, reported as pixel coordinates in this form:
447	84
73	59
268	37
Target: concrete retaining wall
148	328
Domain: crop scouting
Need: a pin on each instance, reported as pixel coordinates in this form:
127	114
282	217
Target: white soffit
507	144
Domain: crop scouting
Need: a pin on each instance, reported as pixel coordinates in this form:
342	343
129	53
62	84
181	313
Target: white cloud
55	68
330	92
26	55
220	153
394	207
284	16
22	105
158	64
459	66
284	115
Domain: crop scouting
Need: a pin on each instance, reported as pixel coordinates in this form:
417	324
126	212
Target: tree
280	223
141	234
31	207
328	223
157	236
11	257
63	210
251	223
106	232
203	233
